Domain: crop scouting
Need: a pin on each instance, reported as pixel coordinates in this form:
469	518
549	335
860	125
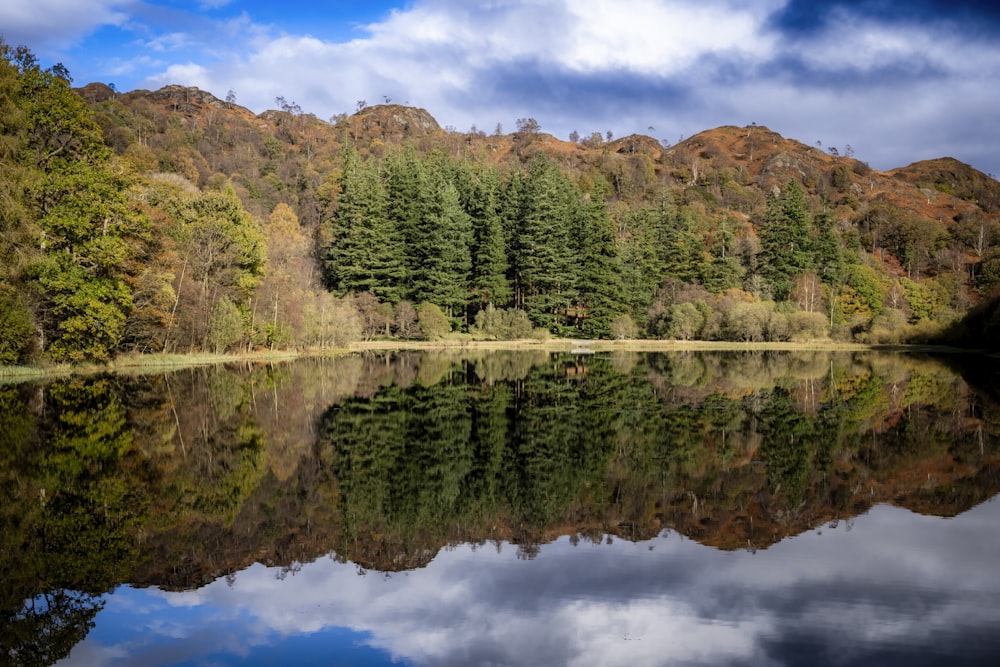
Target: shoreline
157	362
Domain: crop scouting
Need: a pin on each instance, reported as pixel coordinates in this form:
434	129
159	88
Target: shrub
508	324
433	323
685	321
804	326
16	330
225	326
623	327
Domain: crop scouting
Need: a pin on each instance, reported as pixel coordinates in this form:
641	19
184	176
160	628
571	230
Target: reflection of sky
895	588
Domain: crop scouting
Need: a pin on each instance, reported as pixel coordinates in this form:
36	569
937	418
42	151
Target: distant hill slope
754	156
935	219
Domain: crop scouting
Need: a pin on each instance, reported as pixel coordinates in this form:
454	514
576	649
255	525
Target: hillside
754	157
917	222
173	220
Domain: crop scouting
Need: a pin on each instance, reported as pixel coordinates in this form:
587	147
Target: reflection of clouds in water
895	582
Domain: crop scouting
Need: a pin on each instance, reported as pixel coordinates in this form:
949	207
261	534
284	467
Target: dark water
506	509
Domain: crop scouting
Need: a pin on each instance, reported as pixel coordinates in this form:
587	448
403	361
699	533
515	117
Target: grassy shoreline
156	363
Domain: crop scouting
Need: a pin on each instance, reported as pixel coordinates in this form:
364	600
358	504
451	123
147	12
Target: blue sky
898	81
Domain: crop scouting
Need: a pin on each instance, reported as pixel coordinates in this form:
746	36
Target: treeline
128	231
529	240
97	259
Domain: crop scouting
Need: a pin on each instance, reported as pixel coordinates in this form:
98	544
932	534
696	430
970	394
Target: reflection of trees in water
789	441
384	458
47	628
72	506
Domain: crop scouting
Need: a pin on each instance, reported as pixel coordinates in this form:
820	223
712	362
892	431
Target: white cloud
57	23
894	579
190	74
659	38
896	92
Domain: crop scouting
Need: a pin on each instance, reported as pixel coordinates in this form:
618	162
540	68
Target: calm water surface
506	509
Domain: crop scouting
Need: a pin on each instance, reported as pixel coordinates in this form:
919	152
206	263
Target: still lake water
507	509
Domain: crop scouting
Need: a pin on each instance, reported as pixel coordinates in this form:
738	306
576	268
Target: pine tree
829	252
640	267
601	289
442	262
489	255
365	254
785	239
410	197
546	265
678	247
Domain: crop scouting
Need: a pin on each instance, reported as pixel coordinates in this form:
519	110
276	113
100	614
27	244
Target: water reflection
438	461
897	587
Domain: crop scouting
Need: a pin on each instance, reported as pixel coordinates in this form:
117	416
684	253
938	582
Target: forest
173	221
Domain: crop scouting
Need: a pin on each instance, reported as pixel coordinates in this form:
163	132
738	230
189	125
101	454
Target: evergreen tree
365	254
488	250
829	252
785	239
441	260
546	265
678	246
410	200
640	267
723	270
601	289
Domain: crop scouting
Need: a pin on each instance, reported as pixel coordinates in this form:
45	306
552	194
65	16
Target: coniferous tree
546	267
601	290
829	252
442	262
641	269
785	239
679	248
410	197
365	254
488	250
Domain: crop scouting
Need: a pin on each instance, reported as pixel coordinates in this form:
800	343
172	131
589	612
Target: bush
507	324
623	327
16	330
225	326
685	321
803	326
433	323
541	334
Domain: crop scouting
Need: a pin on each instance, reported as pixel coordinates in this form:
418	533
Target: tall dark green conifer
829	252
601	289
641	268
679	248
547	270
787	248
489	255
365	254
410	196
440	253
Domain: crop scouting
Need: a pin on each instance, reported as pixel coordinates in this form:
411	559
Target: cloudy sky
889	588
898	81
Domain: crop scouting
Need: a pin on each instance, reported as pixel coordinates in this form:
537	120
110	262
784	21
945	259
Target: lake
507	508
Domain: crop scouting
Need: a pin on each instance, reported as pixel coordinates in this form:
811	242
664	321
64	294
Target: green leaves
16	328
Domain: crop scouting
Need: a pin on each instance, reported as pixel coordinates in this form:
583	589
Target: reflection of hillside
682	442
386	459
